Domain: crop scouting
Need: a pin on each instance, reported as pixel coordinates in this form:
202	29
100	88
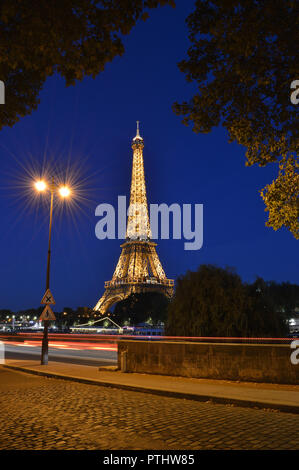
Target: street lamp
64	192
40	185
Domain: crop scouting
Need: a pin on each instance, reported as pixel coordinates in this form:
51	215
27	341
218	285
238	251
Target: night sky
87	130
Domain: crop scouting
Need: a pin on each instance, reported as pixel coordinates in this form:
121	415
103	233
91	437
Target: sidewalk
272	396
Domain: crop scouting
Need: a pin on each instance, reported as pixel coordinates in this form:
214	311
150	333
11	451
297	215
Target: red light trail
66	345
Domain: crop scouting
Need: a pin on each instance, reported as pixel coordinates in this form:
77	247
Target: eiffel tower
139	268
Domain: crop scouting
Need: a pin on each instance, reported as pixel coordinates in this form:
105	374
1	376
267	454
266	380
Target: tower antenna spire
138	136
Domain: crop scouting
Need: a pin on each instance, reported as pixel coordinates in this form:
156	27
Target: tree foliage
243	58
281	197
215	302
265	317
74	38
144	307
208	302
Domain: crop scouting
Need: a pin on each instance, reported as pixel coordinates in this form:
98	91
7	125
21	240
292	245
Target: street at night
149	188
65	352
45	413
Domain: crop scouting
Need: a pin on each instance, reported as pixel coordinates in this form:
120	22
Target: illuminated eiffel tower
139	268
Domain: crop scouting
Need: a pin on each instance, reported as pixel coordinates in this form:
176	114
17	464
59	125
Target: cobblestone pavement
46	413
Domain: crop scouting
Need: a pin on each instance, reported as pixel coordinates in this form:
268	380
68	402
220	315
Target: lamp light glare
40	185
64	191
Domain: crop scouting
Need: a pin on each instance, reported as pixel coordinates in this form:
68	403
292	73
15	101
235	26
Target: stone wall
244	362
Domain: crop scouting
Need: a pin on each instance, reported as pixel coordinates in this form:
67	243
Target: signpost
48	298
46	316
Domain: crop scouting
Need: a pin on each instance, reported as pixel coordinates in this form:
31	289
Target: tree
30	312
215	302
281	197
264	315
244	58
208	302
142	308
69	316
4	313
285	297
74	38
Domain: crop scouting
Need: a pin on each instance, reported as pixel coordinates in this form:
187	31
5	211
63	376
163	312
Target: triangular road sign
48	298
47	314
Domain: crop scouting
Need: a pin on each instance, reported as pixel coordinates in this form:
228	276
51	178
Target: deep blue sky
91	126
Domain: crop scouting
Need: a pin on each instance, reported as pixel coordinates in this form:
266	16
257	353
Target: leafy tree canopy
215	302
267	308
144	307
208	302
74	38
243	58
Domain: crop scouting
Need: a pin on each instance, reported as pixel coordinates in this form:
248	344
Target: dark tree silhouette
140	308
215	302
265	316
74	38
208	302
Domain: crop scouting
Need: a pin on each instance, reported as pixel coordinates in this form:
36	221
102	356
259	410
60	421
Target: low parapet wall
245	362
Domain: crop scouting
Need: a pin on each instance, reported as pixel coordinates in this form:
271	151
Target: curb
108	368
162	392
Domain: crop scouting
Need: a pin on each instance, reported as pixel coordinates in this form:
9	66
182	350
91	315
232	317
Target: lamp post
64	192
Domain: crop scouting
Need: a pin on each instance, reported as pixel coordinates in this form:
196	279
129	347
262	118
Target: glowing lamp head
64	191
40	185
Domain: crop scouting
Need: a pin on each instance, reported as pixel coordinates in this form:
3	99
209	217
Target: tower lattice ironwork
139	268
